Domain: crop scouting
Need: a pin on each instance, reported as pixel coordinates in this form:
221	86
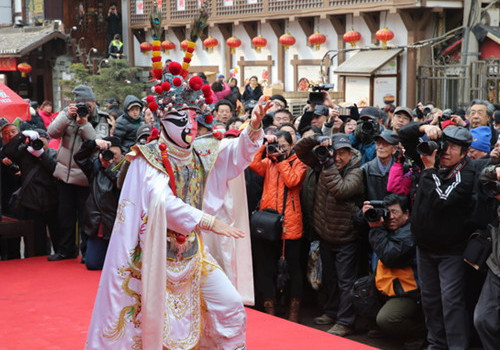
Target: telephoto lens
36	144
107	155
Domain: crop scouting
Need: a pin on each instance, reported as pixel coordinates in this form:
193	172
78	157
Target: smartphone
344	111
316	97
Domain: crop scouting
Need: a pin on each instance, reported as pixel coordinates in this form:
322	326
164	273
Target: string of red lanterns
287	40
384	35
259	42
233	42
210	43
317	39
167	45
352	37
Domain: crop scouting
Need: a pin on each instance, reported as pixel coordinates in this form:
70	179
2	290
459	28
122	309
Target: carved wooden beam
251	28
226	29
278	26
372	20
307	25
180	33
139	34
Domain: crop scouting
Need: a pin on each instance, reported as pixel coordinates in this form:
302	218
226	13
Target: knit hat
143	131
481	137
83	93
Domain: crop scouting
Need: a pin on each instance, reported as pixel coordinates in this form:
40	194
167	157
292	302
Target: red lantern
259	42
185	44
352	37
146	47
210	43
167	45
24	68
384	35
317	39
233	42
287	40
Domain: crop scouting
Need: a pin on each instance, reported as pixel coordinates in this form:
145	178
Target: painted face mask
180	126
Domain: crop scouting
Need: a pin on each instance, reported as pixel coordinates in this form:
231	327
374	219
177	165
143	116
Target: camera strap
27	180
456	169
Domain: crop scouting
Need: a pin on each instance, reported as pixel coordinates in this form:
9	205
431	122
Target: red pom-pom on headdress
195	83
184	73
158	89
150	98
175	68
209	119
207	90
153	106
165	86
157	73
209	100
177	81
155	135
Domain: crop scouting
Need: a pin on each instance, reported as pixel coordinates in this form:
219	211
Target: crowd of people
393	193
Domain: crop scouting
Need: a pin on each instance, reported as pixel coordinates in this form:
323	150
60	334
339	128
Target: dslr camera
316	95
369	127
35	144
426	148
378	211
82	109
107	155
323	152
273	147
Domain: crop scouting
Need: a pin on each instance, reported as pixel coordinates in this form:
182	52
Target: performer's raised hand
223	229
259	111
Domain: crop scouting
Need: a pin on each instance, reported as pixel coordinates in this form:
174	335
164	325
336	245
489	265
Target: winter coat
375	183
335	194
251	93
290	173
102	202
126	127
47	117
40	193
307	200
441	218
220	95
368	151
72	136
399	181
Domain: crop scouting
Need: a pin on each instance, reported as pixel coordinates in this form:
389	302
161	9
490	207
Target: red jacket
290	172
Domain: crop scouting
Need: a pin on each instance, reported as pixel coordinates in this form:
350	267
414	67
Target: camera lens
367	127
36	144
427	147
107	155
272	148
322	152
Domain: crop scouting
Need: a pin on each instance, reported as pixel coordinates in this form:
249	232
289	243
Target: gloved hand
32	134
36	152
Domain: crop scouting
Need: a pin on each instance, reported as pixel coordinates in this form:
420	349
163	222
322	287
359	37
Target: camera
369	127
426	148
444	117
273	147
107	155
82	109
378	211
36	144
316	96
427	110
323	152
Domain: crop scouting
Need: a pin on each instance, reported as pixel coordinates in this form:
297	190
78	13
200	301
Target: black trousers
42	220
266	256
72	209
487	313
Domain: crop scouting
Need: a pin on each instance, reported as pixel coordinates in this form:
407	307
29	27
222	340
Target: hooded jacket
291	173
335	194
126	127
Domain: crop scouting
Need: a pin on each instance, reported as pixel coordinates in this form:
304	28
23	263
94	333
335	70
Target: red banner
8	64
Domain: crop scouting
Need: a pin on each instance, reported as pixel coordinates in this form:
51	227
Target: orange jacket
276	176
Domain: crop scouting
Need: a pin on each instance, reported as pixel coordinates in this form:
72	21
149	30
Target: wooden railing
247	10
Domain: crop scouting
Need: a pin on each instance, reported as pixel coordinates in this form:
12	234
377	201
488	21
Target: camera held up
316	96
82	109
426	148
107	155
378	211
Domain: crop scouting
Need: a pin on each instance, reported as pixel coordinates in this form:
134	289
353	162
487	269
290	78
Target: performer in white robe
159	288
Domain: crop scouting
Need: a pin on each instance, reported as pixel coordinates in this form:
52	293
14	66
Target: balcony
252	10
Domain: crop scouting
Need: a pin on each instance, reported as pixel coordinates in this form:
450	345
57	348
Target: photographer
440	222
340	182
396	271
75	124
277	163
363	137
37	162
486	315
102	172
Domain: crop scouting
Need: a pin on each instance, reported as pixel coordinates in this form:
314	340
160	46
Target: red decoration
184	44
210	43
259	42
287	40
384	35
150	98
155	135
157	73
146	47
207	90
233	42
190	49
209	100
158	89
165	86
24	68
195	83
317	39
175	68
352	37
186	59
156	59
153	106
184	73
167	45
209	119
177	81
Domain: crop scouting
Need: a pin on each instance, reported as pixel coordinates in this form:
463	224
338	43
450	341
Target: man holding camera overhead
440	226
79	122
339	182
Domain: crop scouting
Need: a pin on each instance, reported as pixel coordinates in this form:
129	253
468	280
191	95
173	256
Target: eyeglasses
395	211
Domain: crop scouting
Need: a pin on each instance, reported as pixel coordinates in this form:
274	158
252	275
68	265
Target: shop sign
8	64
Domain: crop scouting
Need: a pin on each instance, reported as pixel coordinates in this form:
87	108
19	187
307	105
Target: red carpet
47	306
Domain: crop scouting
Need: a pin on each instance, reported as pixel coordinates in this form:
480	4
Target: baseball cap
389	136
321	110
134	104
220	76
405	110
341	140
481	137
143	131
370	113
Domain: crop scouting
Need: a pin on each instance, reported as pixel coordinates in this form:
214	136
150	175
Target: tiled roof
16	42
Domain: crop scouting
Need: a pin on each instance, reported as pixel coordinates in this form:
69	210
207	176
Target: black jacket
40	193
442	212
104	194
395	249
375	182
251	94
126	127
